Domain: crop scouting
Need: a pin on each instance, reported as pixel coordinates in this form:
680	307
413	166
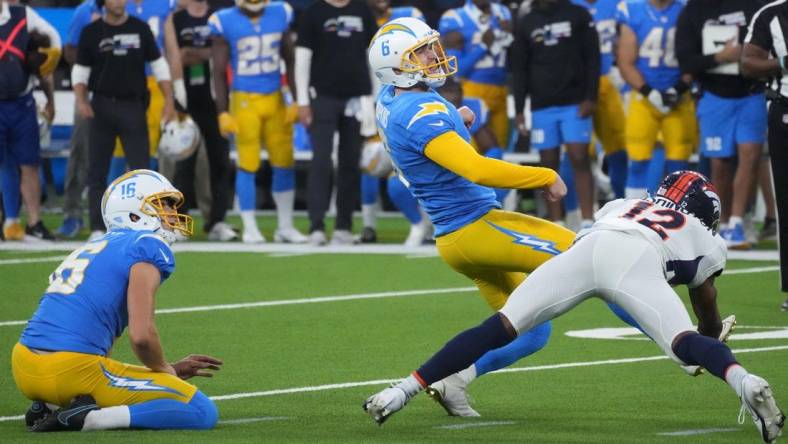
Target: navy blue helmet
692	193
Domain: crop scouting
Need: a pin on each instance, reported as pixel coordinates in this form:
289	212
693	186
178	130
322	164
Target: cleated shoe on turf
757	399
68	419
450	393
385	403
39	231
13	231
290	236
735	237
252	235
343	237
222	232
37	411
784	307
368	236
70	228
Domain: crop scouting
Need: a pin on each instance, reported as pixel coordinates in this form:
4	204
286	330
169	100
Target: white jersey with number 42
689	250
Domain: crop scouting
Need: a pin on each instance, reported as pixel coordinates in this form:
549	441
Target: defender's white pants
618	267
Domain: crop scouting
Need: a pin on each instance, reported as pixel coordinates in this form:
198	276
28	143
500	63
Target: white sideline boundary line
344	385
31	260
237	247
698	432
351	297
470	425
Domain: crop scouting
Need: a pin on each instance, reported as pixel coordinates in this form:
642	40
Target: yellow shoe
14	232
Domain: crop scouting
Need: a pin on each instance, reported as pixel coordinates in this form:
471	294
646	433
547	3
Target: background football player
662	104
479	34
254	36
676	231
101	288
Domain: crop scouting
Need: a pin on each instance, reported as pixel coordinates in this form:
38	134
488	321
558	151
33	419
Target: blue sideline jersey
407	123
467	21
84	308
656	34
604	13
254	47
84	14
404	11
480	110
154	13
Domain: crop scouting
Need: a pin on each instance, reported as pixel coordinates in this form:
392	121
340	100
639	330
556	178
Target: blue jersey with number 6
84	308
656	35
254	45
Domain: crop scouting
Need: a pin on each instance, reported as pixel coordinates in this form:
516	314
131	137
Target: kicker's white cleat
757	399
451	395
728	325
385	403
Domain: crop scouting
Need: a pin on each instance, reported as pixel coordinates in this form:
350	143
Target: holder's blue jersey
604	13
254	47
84	308
656	34
406	124
467	21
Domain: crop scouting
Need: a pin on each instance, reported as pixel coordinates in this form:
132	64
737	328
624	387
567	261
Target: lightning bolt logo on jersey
254	45
407	123
604	13
469	21
656	35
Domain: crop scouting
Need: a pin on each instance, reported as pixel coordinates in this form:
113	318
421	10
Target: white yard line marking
351	297
474	424
32	260
344	385
697	432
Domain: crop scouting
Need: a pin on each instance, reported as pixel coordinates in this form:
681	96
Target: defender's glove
656	98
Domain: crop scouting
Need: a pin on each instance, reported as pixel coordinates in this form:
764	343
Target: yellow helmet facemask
446	65
165	206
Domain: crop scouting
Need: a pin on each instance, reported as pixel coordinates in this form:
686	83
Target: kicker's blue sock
403	200
282	179
709	353
117	167
568	174
168	414
465	348
245	190
370	189
617	172
526	344
9	186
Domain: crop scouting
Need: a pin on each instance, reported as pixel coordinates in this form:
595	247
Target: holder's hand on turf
196	365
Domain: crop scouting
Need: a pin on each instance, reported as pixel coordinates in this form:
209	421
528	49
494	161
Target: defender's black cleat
37	411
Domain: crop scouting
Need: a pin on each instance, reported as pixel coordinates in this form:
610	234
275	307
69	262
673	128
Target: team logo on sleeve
429	109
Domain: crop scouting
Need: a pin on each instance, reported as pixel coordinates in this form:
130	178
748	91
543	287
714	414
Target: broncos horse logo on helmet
692	193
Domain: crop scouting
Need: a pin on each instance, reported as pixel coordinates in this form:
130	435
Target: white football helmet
179	139
252	5
375	161
393	59
145	200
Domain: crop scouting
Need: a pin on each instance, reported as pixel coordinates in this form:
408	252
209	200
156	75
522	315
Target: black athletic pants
114	118
203	112
328	116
